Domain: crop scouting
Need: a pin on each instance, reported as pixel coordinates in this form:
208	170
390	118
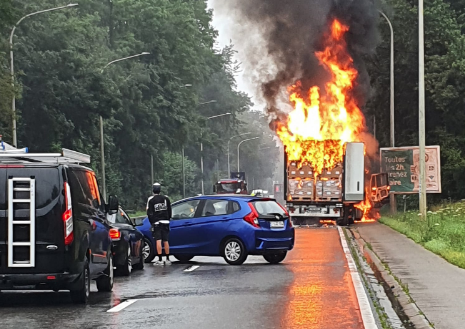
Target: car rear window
268	207
47	182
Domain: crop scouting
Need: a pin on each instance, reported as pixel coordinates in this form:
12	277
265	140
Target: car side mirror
113	204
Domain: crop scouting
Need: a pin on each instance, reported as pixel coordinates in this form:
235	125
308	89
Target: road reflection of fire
321	294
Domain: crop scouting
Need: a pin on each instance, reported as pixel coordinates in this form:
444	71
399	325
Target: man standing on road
159	213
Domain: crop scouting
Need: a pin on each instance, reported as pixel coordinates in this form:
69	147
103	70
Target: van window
47	182
94	186
77	192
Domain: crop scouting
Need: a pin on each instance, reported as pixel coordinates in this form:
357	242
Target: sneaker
167	262
158	263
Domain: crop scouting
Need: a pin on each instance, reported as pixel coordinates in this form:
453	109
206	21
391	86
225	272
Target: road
311	289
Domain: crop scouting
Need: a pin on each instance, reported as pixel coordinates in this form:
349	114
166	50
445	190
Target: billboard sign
403	168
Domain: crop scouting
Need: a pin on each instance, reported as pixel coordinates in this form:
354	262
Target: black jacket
159	209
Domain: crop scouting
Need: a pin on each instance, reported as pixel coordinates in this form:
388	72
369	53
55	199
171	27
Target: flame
368	211
321	123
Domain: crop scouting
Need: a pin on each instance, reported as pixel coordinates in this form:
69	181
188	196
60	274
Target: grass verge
443	234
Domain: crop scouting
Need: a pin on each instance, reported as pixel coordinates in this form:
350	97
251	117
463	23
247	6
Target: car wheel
126	269
81	294
276	257
234	252
148	251
183	258
105	282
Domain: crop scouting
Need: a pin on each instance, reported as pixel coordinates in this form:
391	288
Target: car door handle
187	222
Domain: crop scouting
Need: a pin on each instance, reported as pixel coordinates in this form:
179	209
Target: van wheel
140	265
148	251
183	258
81	294
234	252
276	257
105	282
126	269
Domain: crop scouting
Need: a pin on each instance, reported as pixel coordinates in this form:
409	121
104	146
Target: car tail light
68	217
252	218
115	234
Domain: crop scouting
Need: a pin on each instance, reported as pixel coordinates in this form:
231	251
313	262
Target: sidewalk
437	287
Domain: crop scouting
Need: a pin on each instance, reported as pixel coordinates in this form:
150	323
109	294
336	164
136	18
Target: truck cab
230	186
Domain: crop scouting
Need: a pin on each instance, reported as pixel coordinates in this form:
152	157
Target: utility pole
392	196
102	152
151	170
183	176
421	110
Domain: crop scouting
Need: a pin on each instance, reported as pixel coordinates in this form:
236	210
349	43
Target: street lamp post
229	164
392	134
12	69
238	149
201	143
421	109
391	80
102	147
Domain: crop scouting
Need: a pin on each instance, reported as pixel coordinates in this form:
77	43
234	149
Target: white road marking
122	306
363	302
190	269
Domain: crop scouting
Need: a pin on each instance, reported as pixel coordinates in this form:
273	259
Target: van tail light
68	217
252	217
115	234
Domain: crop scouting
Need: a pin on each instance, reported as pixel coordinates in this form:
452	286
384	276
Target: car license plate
277	224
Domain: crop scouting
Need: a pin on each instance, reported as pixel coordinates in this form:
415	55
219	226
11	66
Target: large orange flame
319	125
366	207
322	122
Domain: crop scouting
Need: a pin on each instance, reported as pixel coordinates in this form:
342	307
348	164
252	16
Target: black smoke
293	30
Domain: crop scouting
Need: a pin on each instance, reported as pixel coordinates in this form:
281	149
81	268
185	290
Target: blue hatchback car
231	226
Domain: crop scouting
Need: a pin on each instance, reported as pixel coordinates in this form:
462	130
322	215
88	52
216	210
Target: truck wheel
105	282
80	295
342	221
234	252
276	257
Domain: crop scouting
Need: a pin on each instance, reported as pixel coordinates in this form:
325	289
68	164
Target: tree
444	82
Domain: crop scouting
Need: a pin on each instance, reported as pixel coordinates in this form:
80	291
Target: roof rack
66	156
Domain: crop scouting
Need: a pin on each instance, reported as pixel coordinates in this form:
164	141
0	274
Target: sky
226	25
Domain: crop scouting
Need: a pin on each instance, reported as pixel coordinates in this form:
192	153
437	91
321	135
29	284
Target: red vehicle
230	186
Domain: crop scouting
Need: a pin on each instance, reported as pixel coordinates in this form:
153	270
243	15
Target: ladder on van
27	185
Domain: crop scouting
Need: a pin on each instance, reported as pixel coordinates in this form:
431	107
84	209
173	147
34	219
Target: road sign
403	169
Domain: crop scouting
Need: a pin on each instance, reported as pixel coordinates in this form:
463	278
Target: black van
54	234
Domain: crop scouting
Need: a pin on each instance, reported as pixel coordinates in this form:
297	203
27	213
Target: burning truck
327	172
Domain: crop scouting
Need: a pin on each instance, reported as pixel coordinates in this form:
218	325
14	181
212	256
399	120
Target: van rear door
48	246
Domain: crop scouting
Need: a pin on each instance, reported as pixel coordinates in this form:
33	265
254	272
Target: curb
409	306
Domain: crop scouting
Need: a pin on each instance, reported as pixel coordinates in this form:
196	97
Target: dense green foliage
151	105
444	235
444	82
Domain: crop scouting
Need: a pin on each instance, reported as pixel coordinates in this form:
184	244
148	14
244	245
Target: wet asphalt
312	288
